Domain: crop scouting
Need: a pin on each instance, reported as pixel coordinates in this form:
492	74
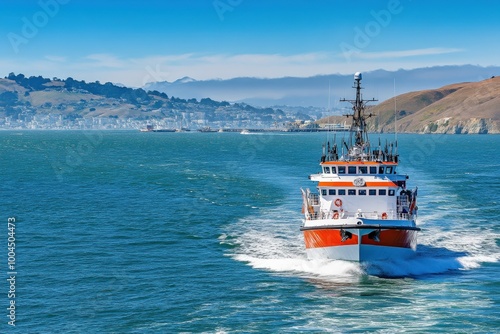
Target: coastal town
38	103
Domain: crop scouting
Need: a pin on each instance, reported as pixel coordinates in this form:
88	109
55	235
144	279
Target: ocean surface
129	232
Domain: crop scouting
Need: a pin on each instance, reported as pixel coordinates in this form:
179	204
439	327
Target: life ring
336	215
384	215
338	202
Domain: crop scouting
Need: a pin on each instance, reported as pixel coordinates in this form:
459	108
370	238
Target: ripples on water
192	232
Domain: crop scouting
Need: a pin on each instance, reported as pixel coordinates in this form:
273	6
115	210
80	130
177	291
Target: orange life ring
384	215
336	215
338	202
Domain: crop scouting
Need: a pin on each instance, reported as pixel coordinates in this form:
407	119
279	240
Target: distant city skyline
133	42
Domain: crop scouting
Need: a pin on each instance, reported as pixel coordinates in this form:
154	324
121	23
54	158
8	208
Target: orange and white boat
362	211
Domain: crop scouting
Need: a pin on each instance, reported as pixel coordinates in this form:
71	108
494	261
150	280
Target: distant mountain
184	80
316	91
467	107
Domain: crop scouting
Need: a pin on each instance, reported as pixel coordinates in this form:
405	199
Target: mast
395	118
360	147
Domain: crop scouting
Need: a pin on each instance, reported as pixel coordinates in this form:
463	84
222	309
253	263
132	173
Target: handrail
359	214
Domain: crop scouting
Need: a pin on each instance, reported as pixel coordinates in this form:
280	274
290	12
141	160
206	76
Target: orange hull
333	237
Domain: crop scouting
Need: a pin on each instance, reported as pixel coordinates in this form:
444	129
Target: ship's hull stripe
361	227
350	184
382	163
327	238
333	238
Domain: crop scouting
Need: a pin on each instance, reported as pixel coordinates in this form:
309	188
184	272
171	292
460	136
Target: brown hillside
54	99
472	107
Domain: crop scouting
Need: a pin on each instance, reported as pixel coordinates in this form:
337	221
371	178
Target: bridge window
341	191
372	192
362	192
351	192
326	170
391	192
341	169
351	169
381	170
363	170
323	192
382	192
373	170
388	170
331	191
334	170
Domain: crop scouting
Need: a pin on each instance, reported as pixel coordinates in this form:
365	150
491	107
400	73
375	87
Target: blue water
129	232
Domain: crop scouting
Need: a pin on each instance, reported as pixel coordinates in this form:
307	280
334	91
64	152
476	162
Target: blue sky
134	42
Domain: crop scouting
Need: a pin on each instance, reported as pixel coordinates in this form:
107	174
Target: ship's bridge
358	168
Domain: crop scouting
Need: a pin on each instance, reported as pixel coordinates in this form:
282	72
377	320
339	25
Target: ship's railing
368	214
404	204
314	216
313	199
359	214
405	216
357	153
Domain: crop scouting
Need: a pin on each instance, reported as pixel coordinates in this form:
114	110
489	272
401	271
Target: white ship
363	210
